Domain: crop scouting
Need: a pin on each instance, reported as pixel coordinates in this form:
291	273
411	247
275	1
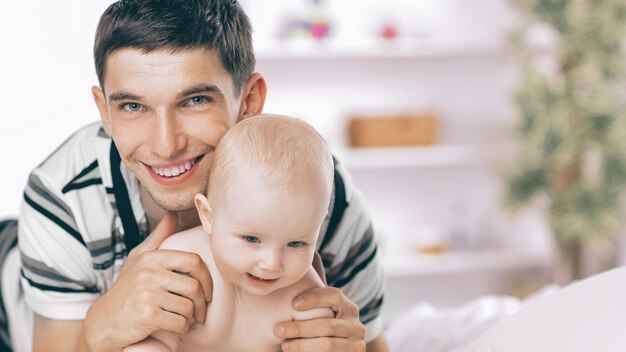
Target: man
174	77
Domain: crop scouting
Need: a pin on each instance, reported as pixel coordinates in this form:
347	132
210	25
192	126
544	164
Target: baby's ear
204	211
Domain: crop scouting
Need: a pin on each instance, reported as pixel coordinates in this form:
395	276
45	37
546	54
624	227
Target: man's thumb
165	228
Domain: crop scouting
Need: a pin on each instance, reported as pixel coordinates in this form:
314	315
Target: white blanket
587	316
425	328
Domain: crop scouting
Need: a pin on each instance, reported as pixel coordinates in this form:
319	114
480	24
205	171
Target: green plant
572	128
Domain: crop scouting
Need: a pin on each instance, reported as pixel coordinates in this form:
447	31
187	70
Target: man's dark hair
148	25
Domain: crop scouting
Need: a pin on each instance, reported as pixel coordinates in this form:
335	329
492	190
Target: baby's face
264	239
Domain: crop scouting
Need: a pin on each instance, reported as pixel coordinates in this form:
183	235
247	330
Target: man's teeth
174	171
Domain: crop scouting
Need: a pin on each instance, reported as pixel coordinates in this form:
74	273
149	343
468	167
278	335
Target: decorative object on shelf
393	130
318	23
389	31
429	239
573	127
314	24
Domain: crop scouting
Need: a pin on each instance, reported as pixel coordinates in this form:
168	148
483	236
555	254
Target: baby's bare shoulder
189	240
310	280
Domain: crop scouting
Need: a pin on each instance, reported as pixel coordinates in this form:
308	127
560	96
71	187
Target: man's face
264	238
166	112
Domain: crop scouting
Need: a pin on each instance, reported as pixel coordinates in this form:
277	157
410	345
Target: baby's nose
271	262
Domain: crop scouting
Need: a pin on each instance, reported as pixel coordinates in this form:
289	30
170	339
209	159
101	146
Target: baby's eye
250	239
295	244
132	107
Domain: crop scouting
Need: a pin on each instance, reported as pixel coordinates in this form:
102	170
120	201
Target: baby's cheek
230	264
297	273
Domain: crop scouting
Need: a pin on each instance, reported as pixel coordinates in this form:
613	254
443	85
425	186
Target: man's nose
169	138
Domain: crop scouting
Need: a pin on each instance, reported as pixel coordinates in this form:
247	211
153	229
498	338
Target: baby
268	193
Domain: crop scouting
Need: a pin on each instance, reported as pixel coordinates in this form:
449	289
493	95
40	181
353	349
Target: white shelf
426	156
276	50
463	262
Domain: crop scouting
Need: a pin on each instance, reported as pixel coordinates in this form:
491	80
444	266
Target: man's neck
186	219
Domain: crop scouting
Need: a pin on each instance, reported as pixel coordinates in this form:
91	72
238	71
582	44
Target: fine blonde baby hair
291	152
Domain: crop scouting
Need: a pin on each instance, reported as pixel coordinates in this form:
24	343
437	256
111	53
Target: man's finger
323	344
330	297
322	327
319	267
165	228
184	263
190	288
172	322
180	305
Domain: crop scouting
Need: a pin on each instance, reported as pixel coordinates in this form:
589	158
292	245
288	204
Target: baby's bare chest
235	324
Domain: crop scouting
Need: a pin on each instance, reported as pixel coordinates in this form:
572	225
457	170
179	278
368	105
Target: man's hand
149	295
343	333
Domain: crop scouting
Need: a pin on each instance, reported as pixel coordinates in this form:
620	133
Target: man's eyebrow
121	95
200	88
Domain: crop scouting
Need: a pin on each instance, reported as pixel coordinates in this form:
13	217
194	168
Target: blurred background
416	98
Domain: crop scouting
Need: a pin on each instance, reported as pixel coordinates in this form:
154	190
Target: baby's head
269	190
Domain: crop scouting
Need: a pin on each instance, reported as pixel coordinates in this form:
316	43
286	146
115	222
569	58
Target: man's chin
175	206
175	203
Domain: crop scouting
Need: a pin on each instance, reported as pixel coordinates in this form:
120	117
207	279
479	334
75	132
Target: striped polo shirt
81	214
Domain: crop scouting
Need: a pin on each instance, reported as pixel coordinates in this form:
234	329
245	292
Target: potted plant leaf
572	125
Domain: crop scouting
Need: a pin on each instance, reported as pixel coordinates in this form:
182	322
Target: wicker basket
393	130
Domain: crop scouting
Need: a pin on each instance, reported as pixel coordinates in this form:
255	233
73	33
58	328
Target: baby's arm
159	341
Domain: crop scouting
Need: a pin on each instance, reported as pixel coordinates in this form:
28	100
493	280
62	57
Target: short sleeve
56	275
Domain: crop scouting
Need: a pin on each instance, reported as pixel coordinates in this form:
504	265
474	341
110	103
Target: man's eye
250	239
132	107
295	244
197	100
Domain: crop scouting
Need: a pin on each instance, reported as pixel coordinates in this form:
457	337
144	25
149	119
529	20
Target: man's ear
103	107
254	97
204	212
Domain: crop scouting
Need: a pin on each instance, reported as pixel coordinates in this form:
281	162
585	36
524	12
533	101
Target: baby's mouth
254	277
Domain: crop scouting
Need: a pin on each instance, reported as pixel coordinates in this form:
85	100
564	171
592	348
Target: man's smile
174	173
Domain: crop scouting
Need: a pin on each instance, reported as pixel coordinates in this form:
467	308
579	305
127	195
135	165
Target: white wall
46	71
